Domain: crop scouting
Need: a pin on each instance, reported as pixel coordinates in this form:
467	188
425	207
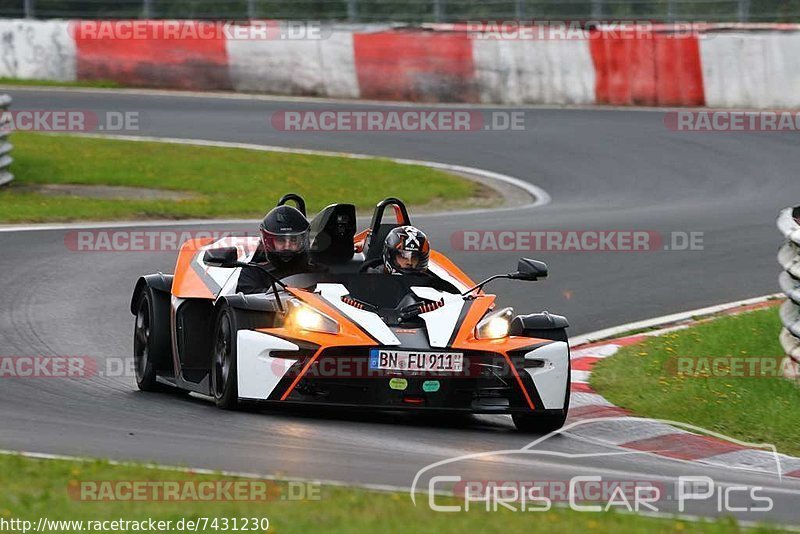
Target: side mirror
529	270
221	257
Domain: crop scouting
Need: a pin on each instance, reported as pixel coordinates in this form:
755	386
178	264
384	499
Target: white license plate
400	360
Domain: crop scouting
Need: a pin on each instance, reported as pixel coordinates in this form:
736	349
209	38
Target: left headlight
301	316
495	325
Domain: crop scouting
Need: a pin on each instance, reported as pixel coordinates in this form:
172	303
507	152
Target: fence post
352	10
597	10
438	11
744	10
670	10
520	9
30	8
251	9
147	9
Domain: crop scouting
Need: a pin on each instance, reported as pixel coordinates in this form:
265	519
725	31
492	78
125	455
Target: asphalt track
604	169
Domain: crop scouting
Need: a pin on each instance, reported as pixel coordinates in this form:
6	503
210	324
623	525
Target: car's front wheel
539	423
224	372
224	382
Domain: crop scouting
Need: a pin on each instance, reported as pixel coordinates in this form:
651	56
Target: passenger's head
406	250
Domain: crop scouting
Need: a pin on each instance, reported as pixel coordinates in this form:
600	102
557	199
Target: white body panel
371	322
443	321
551	380
257	372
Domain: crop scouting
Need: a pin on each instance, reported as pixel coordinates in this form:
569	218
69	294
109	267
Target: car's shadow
454	421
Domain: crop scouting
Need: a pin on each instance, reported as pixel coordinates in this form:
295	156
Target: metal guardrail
414	11
789	258
5	146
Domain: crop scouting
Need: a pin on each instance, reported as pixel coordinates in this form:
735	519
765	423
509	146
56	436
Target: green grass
98	84
40	488
758	409
228	182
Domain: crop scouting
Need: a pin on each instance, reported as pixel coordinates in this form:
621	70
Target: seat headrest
332	233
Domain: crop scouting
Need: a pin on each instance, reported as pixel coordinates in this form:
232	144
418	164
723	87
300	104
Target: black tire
152	350
551	421
224	380
529	423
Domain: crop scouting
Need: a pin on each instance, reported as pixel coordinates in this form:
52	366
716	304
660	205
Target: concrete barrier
752	69
757	67
37	50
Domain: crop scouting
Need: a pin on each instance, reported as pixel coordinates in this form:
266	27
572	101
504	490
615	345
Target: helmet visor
289	242
408	260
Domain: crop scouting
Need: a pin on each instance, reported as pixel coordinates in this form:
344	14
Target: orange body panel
444	262
187	283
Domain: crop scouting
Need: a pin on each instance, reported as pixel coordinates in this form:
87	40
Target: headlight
495	325
301	316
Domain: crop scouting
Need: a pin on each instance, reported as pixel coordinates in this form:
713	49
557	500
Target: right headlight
495	325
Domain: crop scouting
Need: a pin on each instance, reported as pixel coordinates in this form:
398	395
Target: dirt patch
483	197
107	192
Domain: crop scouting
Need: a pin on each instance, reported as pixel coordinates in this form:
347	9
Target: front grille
341	375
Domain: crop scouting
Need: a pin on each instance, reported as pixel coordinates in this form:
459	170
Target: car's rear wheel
151	341
552	420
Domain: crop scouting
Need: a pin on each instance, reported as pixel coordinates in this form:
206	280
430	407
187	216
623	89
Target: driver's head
284	235
406	250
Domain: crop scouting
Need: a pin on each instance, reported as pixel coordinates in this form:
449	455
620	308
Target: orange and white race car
348	337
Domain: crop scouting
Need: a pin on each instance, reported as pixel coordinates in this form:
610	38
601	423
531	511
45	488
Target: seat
332	233
373	248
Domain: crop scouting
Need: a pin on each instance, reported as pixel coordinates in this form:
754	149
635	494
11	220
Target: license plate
400	360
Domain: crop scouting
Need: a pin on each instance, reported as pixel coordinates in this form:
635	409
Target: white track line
618	331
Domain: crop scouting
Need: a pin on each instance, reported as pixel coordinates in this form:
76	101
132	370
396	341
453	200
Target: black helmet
406	250
284	235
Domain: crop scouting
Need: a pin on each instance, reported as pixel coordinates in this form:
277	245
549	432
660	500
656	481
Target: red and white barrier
739	68
752	69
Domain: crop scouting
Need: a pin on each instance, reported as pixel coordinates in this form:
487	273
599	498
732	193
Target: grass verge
52	489
732	399
223	182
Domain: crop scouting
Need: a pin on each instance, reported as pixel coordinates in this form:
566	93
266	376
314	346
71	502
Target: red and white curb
619	427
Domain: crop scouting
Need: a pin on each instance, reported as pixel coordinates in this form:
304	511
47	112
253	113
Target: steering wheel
370	264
